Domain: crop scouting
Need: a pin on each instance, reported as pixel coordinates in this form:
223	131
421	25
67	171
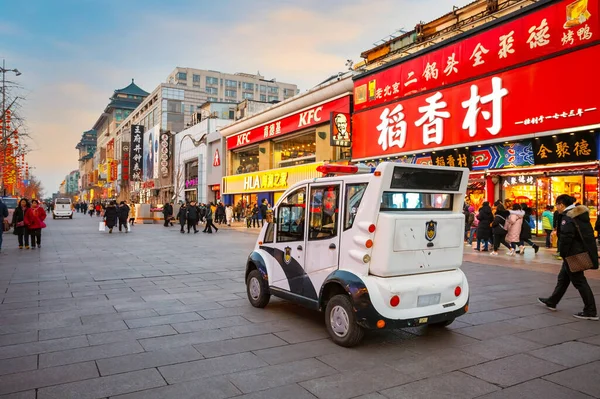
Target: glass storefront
294	151
245	161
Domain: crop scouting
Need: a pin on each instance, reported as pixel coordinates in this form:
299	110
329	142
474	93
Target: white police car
374	248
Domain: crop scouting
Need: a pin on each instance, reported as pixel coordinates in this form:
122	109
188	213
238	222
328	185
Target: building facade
490	99
87	149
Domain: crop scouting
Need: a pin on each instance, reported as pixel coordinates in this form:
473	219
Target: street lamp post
4	70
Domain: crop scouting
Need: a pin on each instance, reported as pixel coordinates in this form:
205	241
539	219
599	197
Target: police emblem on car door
287	257
430	230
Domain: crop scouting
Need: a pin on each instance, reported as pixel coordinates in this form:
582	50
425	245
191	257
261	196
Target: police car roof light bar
328	169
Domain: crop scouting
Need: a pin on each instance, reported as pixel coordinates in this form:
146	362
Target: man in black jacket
576	236
192	217
167	213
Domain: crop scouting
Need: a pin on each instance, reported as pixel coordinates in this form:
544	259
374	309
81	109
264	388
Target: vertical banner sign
137	153
125	162
341	134
165	139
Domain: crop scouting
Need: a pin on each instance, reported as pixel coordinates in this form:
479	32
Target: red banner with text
559	93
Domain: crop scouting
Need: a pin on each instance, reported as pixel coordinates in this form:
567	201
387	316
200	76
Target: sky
74	53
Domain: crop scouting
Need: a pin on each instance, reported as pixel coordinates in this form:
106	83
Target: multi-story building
72	183
87	149
233	88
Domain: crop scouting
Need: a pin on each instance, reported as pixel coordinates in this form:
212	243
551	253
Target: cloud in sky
74	53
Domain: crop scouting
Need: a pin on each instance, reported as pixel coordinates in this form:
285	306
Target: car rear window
62	201
423	179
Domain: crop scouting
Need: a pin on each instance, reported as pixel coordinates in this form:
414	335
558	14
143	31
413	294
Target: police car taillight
344	169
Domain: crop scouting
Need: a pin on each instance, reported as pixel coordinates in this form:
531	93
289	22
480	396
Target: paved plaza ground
158	314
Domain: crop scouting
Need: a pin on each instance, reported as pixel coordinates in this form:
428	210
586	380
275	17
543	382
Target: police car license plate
428	300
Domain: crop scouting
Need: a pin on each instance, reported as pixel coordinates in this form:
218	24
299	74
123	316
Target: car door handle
299	248
332	246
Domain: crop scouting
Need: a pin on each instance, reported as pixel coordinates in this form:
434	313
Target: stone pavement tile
209	324
279	375
18	338
256	329
18	364
304	335
238	345
211	367
19	305
210	388
491	330
524	310
569	354
140	361
18	319
248	312
586	326
435	363
104	386
455	385
138	305
39	325
300	351
167	310
174	341
33	348
351	384
538	321
134	314
52	376
109	291
89	353
75	313
20	395
513	370
131	334
27	298
486	317
536	389
595	340
500	347
553	335
373	395
233	303
584	379
160	320
293	391
366	356
65	332
437	340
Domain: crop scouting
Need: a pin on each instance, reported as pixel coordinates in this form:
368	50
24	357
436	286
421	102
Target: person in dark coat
557	223
525	235
498	229
3	214
577	236
597	228
18	221
220	216
182	216
110	215
263	211
484	229
192	217
123	216
209	220
167	213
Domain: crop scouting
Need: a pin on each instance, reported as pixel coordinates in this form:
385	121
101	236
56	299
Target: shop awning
555	168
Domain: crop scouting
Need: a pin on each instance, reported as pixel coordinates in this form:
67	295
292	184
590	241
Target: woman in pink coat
515	221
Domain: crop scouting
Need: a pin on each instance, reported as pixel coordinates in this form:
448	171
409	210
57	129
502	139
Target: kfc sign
563	26
526	100
311	117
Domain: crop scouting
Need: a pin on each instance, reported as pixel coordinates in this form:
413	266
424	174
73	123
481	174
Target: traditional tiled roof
132	89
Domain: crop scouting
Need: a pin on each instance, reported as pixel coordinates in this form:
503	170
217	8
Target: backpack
506	224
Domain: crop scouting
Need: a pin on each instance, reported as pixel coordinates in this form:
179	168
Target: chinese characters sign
165	139
579	147
314	116
518	181
125	162
269	180
136	158
564	25
341	133
460	157
487	109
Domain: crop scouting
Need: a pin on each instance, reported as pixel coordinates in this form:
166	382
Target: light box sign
546	96
564	25
269	180
136	159
341	131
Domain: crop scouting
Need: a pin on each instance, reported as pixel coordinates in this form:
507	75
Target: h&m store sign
309	117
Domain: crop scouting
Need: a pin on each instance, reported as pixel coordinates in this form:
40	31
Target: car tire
442	323
340	320
257	290
71	217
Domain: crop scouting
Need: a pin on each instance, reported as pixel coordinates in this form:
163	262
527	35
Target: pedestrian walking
110	216
167	213
548	223
221	216
515	222
229	214
18	221
123	216
525	236
473	223
34	221
192	217
576	237
255	213
131	215
3	221
263	211
500	229
484	227
98	209
209	220
182	217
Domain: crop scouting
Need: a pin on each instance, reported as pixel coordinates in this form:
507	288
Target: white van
373	248
62	208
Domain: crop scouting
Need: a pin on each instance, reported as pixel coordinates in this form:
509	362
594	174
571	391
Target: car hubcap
254	288
339	321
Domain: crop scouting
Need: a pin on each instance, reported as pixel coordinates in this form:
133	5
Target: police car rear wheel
341	322
256	290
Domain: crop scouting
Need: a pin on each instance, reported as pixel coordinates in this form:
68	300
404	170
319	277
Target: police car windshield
395	201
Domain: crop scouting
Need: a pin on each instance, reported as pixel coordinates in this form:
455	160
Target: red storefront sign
562	26
559	93
125	162
114	171
310	117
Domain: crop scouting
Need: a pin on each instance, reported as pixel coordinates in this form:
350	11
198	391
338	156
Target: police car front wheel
257	292
341	322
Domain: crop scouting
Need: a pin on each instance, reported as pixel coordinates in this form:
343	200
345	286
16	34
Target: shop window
354	194
291	215
295	151
245	161
324	209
